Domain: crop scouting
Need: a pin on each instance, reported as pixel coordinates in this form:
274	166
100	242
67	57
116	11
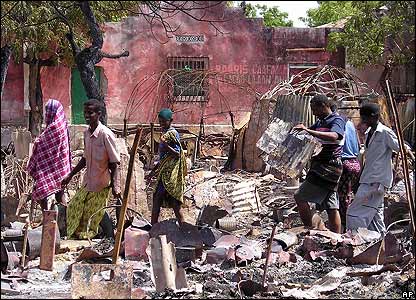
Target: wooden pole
152	138
125	129
28	225
123	210
405	165
198	141
269	250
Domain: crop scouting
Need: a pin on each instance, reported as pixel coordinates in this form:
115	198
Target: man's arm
172	151
81	164
391	140
115	179
325	136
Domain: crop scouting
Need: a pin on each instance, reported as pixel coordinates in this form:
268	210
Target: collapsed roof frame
329	80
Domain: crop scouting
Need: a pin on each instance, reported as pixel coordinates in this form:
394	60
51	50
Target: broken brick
136	242
219	255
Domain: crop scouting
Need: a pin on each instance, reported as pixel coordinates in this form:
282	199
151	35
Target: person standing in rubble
171	170
50	161
351	167
320	186
102	159
367	208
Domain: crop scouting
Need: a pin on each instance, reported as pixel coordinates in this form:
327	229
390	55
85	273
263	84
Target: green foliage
38	26
272	16
328	12
230	3
250	11
376	29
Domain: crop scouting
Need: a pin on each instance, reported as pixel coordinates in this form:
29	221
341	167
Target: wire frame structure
329	80
169	85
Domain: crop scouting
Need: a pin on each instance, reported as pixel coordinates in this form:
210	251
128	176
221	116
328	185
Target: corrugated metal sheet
245	198
407	119
294	109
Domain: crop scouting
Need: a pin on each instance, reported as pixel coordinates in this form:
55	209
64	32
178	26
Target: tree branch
103	54
50	62
74	46
10	10
70	35
96	34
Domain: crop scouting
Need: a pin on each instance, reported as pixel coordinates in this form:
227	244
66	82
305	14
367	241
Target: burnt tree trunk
87	58
35	98
35	93
86	67
6	52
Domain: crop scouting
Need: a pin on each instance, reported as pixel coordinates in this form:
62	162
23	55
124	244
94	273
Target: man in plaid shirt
101	158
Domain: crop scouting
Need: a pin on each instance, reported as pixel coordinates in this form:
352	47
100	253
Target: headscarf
51	159
166	114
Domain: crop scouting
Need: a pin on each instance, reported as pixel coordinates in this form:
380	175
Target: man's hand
300	127
66	180
149	176
116	193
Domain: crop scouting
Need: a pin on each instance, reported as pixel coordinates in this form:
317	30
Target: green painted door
79	96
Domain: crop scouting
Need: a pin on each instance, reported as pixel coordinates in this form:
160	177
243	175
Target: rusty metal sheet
94	282
285	150
227	241
135	244
187	236
250	158
47	252
245	198
219	255
209	214
294	109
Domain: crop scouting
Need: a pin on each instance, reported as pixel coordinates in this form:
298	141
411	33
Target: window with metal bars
189	82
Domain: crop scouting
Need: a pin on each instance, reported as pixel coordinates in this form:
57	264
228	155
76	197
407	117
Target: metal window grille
189	82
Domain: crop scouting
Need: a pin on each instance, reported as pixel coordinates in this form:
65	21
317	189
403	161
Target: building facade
241	59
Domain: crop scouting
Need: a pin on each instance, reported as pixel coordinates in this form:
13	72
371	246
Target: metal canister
227	224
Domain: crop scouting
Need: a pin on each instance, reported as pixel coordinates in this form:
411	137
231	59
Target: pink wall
12	102
56	84
246	50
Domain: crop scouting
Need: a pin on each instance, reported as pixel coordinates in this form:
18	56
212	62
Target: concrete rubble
221	251
213	262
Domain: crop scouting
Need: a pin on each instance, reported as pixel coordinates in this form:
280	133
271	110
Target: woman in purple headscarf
51	158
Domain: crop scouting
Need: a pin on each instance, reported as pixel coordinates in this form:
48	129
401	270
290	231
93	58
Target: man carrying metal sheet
320	186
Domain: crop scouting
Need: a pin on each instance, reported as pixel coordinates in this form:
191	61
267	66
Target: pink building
246	53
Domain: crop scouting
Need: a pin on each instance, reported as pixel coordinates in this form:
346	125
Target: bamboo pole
123	210
28	226
405	165
269	250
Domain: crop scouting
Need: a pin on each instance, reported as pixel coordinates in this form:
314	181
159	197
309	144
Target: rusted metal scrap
287	151
93	281
49	230
165	273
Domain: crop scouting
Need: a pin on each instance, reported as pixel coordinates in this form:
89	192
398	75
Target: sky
295	9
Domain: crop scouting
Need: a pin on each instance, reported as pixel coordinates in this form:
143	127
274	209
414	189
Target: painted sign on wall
261	74
189	38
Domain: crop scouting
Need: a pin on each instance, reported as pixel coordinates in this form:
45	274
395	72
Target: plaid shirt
51	159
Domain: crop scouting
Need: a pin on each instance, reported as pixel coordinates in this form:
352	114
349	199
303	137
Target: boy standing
102	159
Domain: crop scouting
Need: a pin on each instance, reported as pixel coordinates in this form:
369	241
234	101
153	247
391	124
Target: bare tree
154	12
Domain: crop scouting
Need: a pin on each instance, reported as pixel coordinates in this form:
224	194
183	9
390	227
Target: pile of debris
247	233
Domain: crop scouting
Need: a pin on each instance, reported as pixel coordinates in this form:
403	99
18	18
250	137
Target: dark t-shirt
163	151
330	150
